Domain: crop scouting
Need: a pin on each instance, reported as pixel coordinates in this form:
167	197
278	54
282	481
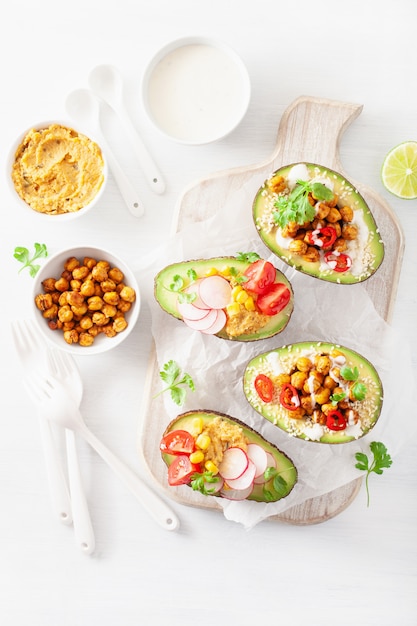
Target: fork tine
58	364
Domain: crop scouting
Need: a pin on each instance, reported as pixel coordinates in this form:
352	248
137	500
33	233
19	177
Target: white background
359	567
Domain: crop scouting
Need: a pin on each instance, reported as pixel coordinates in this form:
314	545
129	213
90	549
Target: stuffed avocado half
242	298
313	219
315	391
219	455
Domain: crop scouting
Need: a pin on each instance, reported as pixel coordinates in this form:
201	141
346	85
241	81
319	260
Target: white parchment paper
343	314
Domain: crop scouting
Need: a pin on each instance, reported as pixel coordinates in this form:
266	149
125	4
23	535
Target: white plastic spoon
84	108
107	83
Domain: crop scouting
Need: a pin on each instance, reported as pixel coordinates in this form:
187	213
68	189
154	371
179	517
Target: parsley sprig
381	460
177	382
295	206
23	256
358	389
179	284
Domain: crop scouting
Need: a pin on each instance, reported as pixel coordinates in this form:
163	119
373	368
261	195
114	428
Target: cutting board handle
311	129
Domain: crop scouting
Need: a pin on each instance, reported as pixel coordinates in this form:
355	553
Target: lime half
399	170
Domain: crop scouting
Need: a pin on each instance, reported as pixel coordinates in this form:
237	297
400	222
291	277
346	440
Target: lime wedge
399	170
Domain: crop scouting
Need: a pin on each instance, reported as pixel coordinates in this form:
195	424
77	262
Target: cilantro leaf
381	460
250	257
22	255
348	373
200	482
176	382
279	484
295	206
359	391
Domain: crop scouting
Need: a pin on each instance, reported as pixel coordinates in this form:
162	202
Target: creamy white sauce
196	93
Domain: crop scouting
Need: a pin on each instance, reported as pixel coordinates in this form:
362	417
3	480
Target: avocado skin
354	199
354	359
167	298
283	462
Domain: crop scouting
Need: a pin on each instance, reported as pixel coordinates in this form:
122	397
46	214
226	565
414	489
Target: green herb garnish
23	256
178	285
348	373
278	482
249	257
199	482
295	207
358	391
176	381
337	397
381	460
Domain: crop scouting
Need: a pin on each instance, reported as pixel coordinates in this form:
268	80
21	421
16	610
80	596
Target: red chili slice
338	261
335	420
289	397
264	387
323	238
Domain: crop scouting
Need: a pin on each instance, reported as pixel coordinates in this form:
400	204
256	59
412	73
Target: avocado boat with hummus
315	391
241	298
218	455
313	219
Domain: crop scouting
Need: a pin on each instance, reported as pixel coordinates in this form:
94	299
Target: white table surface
359	567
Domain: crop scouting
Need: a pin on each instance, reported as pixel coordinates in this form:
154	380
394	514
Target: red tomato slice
181	470
261	275
264	387
177	442
274	300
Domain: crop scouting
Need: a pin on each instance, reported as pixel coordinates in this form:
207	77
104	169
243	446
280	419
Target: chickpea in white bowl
85	300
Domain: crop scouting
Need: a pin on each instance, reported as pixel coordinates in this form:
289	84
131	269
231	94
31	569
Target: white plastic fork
57	405
33	357
63	367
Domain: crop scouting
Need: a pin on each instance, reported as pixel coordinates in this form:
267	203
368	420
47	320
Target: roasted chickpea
322	395
81	273
281	379
124	306
71	264
71	336
65	314
322	210
75	298
304	364
308	404
89	262
350	232
128	294
333	215
297	246
290	229
86	339
347	213
119	324
340	245
329	383
95	303
312	255
298	379
48	285
87	288
111	297
108	285
116	274
323	364
276	183
44	301
318	417
62	284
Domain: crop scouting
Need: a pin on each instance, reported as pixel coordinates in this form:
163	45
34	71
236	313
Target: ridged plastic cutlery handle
83	528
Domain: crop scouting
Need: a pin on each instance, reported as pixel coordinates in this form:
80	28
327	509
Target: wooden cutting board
310	130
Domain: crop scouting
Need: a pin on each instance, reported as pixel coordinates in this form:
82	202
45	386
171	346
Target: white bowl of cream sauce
196	90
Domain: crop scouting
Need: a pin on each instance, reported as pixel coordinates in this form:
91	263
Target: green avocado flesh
168	298
284	465
282	361
367	252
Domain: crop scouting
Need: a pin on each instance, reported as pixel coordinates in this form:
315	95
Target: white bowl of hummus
85	300
196	90
56	171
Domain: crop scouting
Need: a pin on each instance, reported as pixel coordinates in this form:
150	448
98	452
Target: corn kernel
211	467
197	456
203	441
250	304
242	296
236	290
212	272
233	309
197	426
225	270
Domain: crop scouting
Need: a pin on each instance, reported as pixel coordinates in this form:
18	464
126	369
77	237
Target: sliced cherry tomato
261	276
338	261
323	238
264	387
180	470
335	420
289	397
177	442
274	300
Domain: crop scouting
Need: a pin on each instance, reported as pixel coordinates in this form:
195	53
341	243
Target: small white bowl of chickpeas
85	300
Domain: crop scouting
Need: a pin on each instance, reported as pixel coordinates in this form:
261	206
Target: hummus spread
57	170
223	435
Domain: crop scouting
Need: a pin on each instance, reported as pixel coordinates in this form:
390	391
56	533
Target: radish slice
234	463
189	311
194	288
246	479
270	463
236	494
204	323
258	456
217	326
215	291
